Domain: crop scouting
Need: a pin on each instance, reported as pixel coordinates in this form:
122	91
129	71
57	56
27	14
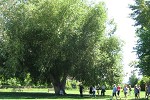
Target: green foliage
142	85
144	81
71	84
141	14
133	80
13	82
48	40
28	80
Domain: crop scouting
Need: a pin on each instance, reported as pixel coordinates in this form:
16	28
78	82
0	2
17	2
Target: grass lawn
43	94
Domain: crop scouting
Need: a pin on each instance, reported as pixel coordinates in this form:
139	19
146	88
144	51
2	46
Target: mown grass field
42	94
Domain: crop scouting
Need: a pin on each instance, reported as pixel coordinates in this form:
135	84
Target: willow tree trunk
59	85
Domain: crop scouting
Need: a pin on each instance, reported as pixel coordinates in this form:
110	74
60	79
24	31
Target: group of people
127	91
93	89
116	91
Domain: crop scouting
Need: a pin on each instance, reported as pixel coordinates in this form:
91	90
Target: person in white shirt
94	91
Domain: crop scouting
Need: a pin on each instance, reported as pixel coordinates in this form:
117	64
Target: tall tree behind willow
141	15
54	39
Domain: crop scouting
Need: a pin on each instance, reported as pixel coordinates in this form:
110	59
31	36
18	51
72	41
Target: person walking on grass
139	88
118	90
136	91
81	90
94	91
130	89
103	90
148	90
125	90
114	91
90	91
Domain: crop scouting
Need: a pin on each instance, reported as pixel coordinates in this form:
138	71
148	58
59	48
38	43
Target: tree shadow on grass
34	95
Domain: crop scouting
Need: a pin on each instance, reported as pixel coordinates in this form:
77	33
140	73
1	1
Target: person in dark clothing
91	92
81	90
103	91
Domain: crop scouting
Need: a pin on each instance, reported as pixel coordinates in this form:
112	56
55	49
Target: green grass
43	94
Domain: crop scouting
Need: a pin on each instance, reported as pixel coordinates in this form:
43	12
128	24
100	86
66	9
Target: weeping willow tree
54	39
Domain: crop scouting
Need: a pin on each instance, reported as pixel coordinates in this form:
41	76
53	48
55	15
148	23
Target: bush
71	84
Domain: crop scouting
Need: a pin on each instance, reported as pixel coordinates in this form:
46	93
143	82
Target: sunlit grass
42	93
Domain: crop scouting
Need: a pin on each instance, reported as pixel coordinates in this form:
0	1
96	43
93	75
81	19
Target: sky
119	11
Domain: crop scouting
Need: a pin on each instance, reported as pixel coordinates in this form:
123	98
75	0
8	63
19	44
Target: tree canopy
54	39
141	15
